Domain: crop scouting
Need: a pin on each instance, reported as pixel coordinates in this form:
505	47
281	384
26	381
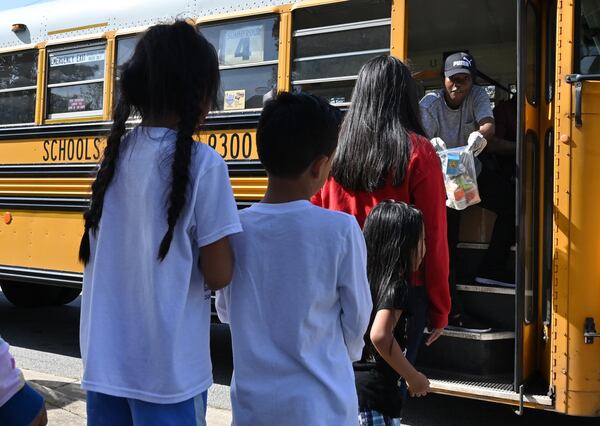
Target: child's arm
19	403
355	295
215	218
216	264
382	337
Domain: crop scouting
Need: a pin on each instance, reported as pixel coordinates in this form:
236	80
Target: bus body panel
584	270
41	240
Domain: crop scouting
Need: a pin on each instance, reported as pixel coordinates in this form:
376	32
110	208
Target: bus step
469	258
496	387
493	306
490	353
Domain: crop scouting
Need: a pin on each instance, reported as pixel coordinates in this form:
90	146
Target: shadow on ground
51	329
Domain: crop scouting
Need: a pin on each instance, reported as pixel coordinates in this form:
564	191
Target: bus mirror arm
589	331
577	80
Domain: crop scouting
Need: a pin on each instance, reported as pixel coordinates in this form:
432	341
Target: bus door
530	139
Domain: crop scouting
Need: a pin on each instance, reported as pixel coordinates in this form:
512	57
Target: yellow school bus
59	66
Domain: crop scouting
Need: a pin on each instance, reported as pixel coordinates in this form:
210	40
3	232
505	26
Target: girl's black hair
174	71
392	233
374	142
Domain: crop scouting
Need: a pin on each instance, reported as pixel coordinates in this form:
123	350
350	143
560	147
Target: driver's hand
476	143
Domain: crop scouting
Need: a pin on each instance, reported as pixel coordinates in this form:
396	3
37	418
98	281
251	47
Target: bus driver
460	113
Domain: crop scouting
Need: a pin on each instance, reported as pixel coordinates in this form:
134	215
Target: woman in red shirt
383	154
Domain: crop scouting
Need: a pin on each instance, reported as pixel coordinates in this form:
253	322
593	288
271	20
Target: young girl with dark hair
382	153
155	240
395	247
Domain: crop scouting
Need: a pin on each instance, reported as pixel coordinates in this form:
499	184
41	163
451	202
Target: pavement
65	401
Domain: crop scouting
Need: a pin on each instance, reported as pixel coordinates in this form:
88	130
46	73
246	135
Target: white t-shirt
144	323
11	380
298	307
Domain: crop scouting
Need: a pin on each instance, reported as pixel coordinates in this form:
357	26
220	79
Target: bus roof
65	19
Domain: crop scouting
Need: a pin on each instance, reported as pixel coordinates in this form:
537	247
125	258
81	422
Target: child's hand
41	419
418	385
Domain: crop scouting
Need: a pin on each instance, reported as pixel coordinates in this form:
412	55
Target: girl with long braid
155	240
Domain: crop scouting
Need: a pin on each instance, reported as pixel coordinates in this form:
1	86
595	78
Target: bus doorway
493	350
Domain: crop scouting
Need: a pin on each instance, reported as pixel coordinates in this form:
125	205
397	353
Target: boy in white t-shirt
299	302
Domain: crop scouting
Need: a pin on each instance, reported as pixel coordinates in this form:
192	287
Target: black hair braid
104	177
180	175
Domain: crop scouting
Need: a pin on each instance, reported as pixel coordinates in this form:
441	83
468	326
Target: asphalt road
46	340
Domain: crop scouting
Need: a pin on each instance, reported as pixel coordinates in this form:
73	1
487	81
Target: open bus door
535	192
529	36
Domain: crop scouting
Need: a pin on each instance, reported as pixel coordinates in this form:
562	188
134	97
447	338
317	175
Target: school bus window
533	54
75	81
589	37
530	212
550	52
18	80
329	48
248	50
125	47
341	13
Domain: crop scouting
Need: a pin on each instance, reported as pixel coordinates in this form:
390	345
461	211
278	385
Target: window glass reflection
75	65
18	70
73	99
17	107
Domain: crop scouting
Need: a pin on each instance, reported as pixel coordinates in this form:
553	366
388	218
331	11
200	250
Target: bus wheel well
28	295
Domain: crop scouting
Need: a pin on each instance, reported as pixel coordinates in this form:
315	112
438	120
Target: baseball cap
459	63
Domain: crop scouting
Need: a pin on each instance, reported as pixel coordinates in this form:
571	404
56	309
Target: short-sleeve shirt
454	126
11	379
145	323
297	307
376	380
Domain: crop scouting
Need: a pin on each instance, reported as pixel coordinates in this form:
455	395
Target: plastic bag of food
460	177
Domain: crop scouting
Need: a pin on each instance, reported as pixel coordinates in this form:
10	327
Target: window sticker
234	99
58	60
242	45
76	104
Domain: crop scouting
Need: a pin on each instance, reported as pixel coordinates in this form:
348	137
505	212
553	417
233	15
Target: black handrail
577	80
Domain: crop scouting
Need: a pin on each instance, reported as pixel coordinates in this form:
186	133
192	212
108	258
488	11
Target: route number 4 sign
242	45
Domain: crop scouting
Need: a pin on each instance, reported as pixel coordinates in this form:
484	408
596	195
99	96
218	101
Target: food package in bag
460	177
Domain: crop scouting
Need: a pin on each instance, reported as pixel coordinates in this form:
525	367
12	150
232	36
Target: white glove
438	144
476	143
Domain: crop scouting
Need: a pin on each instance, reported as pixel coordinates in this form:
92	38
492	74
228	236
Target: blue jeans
416	324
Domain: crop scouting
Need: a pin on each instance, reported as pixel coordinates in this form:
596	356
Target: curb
65	400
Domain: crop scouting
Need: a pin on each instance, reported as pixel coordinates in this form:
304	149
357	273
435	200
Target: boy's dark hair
173	70
293	131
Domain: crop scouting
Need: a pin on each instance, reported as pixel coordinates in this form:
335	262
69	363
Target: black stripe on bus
246	169
41	276
48	170
53	130
65	204
44	203
236	169
212	123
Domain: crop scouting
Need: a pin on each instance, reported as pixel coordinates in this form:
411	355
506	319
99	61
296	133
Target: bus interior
489	363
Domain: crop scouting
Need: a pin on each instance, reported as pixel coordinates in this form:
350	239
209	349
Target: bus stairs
474	364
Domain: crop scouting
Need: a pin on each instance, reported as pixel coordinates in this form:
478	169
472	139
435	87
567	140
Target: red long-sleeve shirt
422	187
